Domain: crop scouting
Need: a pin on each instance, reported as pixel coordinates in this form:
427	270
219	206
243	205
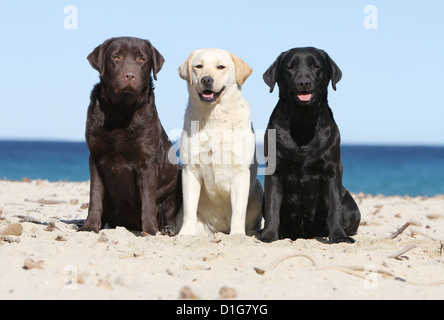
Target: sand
43	257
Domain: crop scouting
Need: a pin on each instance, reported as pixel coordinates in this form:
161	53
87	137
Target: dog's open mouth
210	96
305	97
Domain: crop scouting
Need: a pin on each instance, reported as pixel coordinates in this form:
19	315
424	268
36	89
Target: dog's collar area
209	96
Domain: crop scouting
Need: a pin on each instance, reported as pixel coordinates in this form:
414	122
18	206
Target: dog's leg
97	192
147	184
272	208
168	212
191	185
351	213
335	222
254	209
239	191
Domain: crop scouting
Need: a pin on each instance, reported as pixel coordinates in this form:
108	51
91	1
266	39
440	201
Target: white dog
221	192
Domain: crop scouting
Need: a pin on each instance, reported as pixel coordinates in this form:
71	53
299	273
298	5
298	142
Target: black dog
133	184
304	198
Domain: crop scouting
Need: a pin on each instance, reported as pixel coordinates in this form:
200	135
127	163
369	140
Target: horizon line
343	143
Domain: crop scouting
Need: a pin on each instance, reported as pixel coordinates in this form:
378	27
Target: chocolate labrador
304	198
133	183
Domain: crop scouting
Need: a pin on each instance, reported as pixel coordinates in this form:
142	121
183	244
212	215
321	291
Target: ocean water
53	161
394	170
387	170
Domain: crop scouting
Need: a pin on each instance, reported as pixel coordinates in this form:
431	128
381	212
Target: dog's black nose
304	84
130	76
207	80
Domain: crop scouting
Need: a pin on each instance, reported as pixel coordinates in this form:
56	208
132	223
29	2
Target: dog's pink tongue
304	97
208	95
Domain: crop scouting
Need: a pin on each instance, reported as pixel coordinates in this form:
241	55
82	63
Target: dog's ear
157	59
335	72
243	70
271	75
97	57
185	69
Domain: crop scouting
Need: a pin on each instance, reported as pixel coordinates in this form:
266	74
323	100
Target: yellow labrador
220	186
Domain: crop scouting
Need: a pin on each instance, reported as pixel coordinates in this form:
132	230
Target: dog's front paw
343	239
184	233
89	227
268	236
240	231
169	230
187	230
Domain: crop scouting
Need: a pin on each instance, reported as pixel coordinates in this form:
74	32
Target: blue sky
392	76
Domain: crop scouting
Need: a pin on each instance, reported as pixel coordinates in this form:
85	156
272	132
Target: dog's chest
219	155
222	155
227	147
212	145
217	180
116	148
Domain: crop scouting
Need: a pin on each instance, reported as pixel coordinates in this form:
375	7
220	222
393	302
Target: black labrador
133	183
304	197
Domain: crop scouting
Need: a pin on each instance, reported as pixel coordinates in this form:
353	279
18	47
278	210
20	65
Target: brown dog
133	184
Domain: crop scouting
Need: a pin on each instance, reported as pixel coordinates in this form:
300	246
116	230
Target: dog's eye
221	67
116	58
141	59
199	66
316	67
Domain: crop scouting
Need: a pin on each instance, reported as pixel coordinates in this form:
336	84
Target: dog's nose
130	76
304	84
206	80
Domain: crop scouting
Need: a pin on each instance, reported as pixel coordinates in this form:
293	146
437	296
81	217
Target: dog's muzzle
209	96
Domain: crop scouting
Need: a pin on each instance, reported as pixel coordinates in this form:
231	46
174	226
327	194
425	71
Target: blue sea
387	170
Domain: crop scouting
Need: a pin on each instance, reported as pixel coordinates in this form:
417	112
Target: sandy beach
43	257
